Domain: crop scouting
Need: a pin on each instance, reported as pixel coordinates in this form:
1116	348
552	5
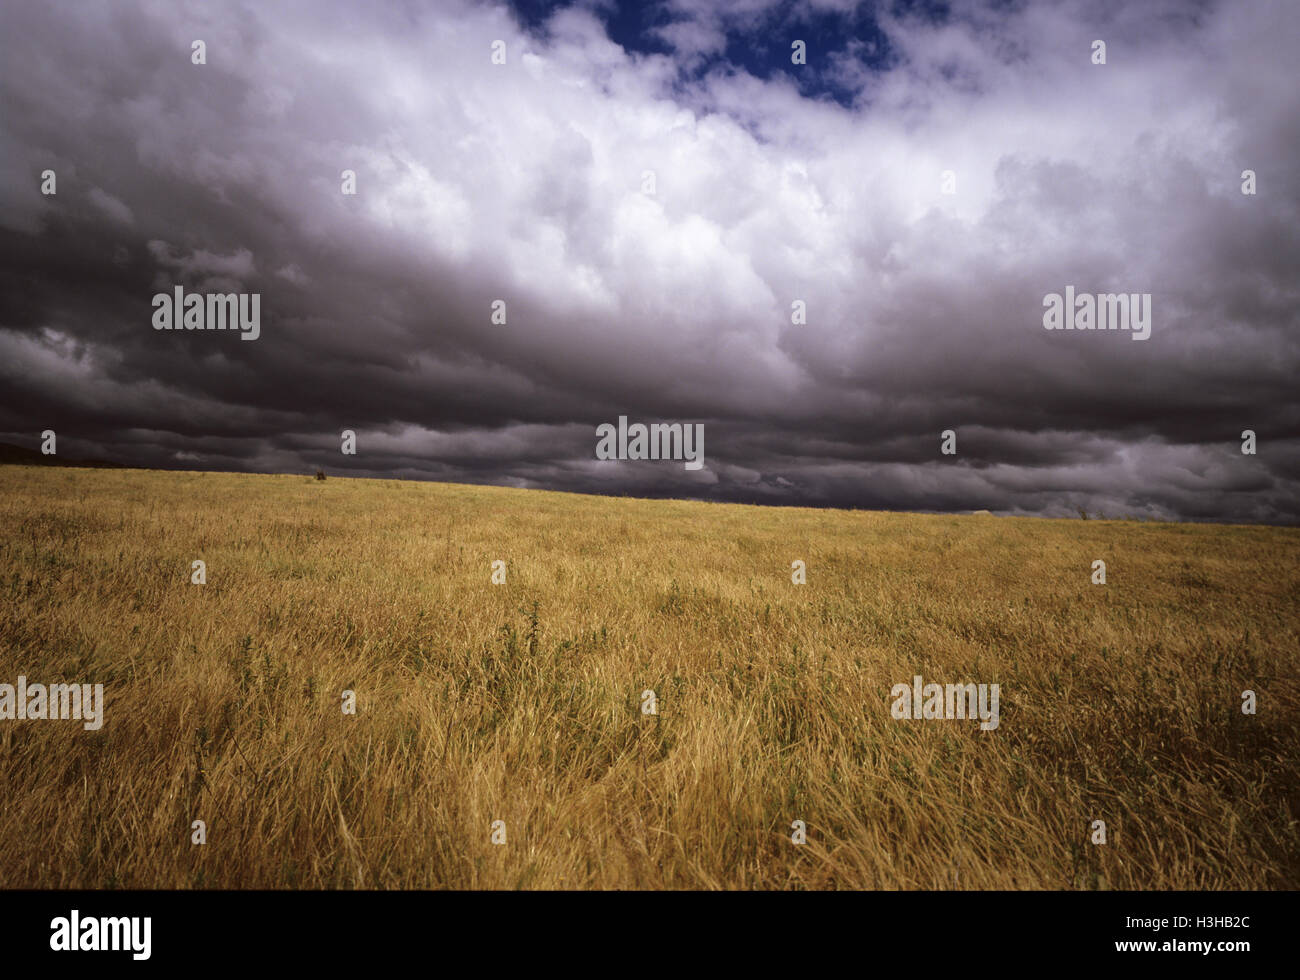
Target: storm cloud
771	183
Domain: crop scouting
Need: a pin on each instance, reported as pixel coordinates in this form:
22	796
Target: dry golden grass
521	702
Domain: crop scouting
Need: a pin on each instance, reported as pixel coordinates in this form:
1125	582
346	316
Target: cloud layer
526	182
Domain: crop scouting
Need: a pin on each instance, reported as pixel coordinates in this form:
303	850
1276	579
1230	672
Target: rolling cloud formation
772	183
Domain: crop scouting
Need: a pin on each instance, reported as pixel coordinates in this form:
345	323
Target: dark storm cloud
523	182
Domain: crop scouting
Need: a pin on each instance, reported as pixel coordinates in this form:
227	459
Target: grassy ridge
520	702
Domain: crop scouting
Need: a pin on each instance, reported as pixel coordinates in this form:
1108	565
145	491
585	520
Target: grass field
522	702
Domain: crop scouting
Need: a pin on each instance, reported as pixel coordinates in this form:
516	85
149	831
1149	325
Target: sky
774	183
